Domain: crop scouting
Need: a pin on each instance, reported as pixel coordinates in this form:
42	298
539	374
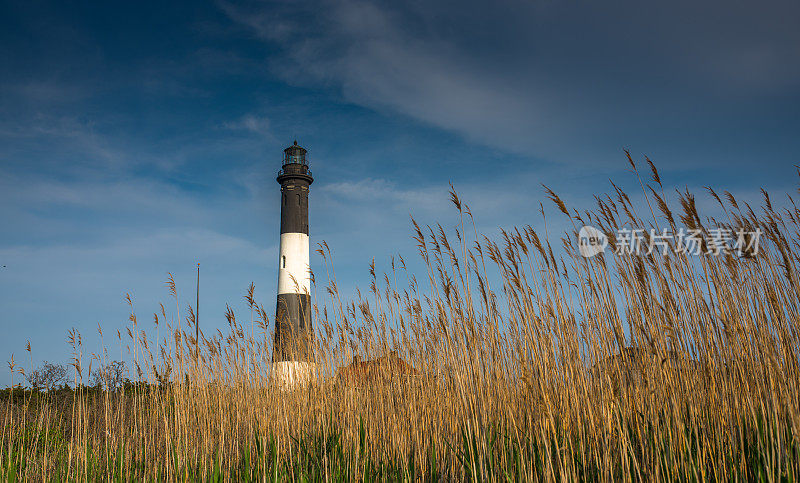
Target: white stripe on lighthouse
293	276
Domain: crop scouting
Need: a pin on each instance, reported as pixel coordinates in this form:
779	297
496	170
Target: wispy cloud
551	79
164	245
255	124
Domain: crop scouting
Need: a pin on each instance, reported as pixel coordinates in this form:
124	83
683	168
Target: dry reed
619	367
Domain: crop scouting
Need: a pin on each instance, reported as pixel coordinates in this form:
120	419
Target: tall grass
534	362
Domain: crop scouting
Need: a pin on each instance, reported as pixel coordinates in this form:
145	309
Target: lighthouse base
289	375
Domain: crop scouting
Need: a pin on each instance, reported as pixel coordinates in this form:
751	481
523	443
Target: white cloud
154	247
569	82
252	123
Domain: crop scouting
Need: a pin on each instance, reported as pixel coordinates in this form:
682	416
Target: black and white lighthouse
292	355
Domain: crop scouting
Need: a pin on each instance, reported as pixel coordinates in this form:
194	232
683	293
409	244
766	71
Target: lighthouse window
298	199
283	261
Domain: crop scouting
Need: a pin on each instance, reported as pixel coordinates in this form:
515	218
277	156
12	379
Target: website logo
591	241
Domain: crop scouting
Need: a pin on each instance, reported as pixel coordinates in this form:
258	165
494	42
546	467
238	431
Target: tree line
51	376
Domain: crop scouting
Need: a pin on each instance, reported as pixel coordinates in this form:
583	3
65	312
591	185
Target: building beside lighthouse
293	356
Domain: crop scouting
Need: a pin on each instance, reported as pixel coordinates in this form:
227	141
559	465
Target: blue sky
143	138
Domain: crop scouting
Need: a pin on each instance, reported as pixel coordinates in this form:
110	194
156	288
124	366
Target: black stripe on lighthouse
293	330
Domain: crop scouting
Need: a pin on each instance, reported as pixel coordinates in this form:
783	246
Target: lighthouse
292	356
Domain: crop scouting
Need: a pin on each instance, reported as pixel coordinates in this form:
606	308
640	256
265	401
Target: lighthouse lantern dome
295	154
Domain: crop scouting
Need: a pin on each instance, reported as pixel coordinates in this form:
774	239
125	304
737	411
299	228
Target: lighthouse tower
292	355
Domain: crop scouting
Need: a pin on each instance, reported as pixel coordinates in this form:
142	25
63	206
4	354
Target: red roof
387	368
